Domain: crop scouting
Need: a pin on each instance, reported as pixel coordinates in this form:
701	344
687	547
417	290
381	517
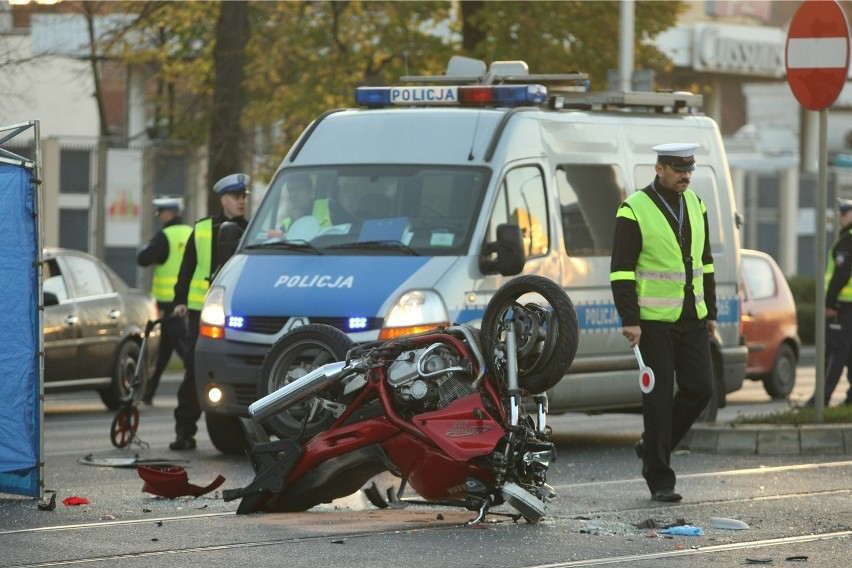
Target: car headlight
415	312
212	319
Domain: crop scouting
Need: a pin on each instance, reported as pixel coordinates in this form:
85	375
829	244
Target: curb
770	440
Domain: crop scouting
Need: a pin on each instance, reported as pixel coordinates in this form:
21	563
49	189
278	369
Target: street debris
51	503
728	524
172	482
74	501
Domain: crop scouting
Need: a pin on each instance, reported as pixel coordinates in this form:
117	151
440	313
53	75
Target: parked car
769	324
93	326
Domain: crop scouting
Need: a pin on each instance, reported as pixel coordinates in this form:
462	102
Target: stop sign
817	54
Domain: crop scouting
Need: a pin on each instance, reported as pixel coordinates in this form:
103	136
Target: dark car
769	324
93	326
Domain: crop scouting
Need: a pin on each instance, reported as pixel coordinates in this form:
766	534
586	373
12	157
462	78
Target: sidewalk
725	437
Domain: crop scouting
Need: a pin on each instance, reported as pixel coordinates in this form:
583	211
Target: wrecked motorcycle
445	410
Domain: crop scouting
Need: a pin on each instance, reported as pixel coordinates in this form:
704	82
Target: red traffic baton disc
646	374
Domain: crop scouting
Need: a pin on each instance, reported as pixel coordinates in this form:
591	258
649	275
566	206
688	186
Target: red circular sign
817	53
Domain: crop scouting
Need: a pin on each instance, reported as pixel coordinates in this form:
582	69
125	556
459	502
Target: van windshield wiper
300	245
376	245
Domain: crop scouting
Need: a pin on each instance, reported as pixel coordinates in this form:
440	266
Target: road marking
752	471
694	551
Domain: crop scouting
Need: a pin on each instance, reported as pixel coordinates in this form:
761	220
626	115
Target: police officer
199	262
838	305
662	282
165	251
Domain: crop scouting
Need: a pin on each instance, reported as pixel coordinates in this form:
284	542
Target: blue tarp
20	407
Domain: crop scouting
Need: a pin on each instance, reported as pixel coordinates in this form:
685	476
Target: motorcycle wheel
547	336
293	356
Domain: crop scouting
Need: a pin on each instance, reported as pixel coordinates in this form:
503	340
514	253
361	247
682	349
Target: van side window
589	195
703	183
522	201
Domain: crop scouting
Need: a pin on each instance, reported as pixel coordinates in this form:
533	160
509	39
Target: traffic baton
646	374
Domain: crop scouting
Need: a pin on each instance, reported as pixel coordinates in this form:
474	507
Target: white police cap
679	155
164	203
844	205
232	183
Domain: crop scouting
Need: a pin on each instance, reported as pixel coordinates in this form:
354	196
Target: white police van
411	191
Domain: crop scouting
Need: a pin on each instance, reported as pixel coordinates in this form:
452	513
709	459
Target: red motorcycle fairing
463	429
341	440
432	474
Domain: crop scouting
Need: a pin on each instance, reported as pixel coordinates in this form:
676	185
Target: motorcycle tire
294	355
547	340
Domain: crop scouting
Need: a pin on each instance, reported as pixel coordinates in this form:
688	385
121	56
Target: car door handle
114	314
72	321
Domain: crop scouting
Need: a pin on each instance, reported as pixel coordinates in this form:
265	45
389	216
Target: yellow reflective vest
203	253
660	273
320	212
845	294
166	274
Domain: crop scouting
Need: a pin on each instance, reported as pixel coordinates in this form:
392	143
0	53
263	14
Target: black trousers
678	352
188	409
172	339
838	350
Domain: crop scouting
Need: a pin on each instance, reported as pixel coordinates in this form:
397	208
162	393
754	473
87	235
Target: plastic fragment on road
683	530
172	482
73	501
728	524
758	561
50	505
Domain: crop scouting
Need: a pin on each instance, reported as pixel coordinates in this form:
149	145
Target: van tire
541	368
305	349
226	433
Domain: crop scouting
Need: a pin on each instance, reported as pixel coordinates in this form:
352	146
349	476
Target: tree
225	155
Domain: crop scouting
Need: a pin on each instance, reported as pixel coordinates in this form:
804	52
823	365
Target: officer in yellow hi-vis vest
665	292
165	252
838	306
199	262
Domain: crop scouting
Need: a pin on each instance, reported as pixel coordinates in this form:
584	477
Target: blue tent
21	412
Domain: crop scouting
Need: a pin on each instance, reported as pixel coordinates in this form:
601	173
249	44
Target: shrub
804	294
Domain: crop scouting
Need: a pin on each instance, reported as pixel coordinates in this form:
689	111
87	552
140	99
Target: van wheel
779	383
122	375
226	433
293	356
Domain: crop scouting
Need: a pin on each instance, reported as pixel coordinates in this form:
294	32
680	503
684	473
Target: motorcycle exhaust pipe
305	387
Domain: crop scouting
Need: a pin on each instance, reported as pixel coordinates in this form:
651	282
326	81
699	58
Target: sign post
817	61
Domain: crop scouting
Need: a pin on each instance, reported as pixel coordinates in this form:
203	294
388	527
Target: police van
409	196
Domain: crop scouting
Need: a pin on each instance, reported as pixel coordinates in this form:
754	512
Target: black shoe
667	495
639	448
148	401
183	443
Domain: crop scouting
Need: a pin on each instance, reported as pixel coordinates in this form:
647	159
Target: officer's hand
711	327
180	310
632	333
830	313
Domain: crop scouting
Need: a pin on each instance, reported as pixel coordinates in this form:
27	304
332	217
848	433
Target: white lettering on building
314	281
727	49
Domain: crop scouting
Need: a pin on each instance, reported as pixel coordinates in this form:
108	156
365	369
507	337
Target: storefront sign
742	50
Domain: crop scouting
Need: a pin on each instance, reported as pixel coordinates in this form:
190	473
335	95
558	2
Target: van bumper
233	368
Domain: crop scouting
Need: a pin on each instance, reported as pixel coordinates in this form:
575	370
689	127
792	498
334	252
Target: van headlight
415	312
212	319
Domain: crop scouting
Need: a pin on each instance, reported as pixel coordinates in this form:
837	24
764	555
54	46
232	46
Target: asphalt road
793	505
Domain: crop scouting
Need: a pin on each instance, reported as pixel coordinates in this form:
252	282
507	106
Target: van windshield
371	209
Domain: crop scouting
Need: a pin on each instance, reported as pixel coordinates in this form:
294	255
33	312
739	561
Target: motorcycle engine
430	378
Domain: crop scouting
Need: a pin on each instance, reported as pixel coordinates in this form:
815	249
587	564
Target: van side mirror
509	251
229	237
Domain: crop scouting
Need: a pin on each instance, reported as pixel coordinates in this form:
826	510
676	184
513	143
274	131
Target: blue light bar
484	95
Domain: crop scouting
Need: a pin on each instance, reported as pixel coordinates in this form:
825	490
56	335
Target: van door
522	199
